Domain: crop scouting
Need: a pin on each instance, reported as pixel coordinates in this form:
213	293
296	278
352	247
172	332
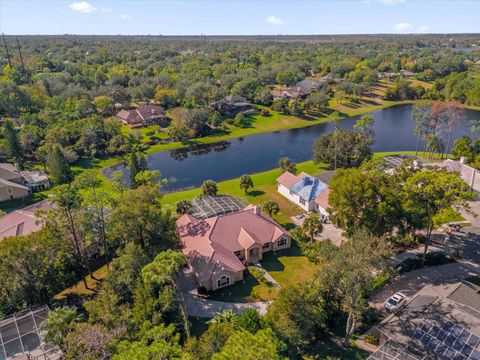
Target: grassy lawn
79	288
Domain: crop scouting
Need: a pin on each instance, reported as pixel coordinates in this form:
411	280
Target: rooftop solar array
210	206
429	341
20	337
448	341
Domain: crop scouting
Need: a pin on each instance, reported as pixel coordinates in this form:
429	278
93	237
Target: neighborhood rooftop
20	337
309	188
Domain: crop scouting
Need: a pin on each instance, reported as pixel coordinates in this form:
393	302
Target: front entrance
254	255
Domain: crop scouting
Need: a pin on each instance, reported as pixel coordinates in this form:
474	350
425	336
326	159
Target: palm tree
209	187
336	122
58	324
246	183
224	317
271	208
312	225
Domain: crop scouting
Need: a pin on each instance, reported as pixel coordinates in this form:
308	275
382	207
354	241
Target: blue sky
248	17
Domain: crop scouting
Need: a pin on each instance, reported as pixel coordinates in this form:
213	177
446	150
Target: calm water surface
230	159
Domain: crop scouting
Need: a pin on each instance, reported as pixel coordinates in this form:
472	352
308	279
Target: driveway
411	282
201	307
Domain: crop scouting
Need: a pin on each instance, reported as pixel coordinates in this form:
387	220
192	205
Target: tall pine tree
13	149
58	167
137	164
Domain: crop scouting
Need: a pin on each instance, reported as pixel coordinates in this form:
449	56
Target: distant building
231	105
19	184
143	116
302	89
22	222
306	191
218	248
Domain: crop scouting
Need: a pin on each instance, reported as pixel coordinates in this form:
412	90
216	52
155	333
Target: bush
434	258
372	340
258	275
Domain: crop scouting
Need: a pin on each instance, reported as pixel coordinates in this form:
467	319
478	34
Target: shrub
372	340
434	258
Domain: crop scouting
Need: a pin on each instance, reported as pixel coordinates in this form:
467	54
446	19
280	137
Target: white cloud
125	16
274	20
423	28
82	6
402	27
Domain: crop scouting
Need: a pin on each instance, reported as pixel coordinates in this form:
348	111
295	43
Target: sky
236	17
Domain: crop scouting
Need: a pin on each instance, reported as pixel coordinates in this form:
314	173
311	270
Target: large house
143	116
302	89
308	192
22	222
19	184
219	248
231	105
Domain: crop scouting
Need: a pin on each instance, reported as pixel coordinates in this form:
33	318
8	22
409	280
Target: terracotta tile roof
322	199
210	243
22	222
287	179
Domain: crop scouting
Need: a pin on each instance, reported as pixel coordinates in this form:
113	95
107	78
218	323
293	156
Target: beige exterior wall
286	246
212	284
7	192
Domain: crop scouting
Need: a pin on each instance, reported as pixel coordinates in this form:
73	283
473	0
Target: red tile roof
210	244
141	114
287	179
22	222
322	199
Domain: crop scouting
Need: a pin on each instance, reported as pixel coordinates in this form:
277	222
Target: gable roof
235	99
7	183
306	186
9	172
141	114
287	179
210	243
22	222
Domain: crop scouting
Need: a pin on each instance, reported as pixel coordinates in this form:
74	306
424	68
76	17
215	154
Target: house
439	322
306	191
469	174
22	222
9	172
35	179
143	116
231	105
219	248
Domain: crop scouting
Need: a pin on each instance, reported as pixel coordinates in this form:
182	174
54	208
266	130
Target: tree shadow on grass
239	292
256	193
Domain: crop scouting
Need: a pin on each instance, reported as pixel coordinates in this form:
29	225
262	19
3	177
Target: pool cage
21	337
209	206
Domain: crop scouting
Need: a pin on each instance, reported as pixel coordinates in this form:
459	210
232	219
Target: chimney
462	160
256	210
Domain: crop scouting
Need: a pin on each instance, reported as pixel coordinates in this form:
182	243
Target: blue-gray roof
308	188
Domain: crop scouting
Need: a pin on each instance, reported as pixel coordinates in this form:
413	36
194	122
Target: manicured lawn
250	289
288	267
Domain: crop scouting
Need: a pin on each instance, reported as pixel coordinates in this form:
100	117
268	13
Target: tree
91	341
246	183
286	164
240	120
59	323
420	114
58	167
336	123
312	225
463	148
209	188
66	216
104	105
245	345
271	208
428	193
364	125
351	269
184	207
13	149
137	163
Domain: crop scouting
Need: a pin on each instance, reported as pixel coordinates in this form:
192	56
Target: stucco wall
294	198
286	246
234	277
16	192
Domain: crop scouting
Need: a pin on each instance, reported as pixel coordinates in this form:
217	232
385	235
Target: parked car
395	302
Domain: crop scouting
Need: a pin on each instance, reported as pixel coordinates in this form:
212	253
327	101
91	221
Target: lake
187	168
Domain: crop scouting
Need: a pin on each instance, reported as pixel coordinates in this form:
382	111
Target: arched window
282	242
223	281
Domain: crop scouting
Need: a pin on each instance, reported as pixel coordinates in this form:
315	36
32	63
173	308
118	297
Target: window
266	246
302	201
282	242
223	281
238	253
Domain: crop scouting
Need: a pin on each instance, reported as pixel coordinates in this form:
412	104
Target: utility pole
6	50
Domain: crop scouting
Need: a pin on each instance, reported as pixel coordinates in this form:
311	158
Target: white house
304	190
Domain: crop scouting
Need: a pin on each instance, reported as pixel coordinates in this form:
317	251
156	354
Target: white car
395	302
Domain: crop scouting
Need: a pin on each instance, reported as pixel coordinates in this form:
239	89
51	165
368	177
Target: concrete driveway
411	282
